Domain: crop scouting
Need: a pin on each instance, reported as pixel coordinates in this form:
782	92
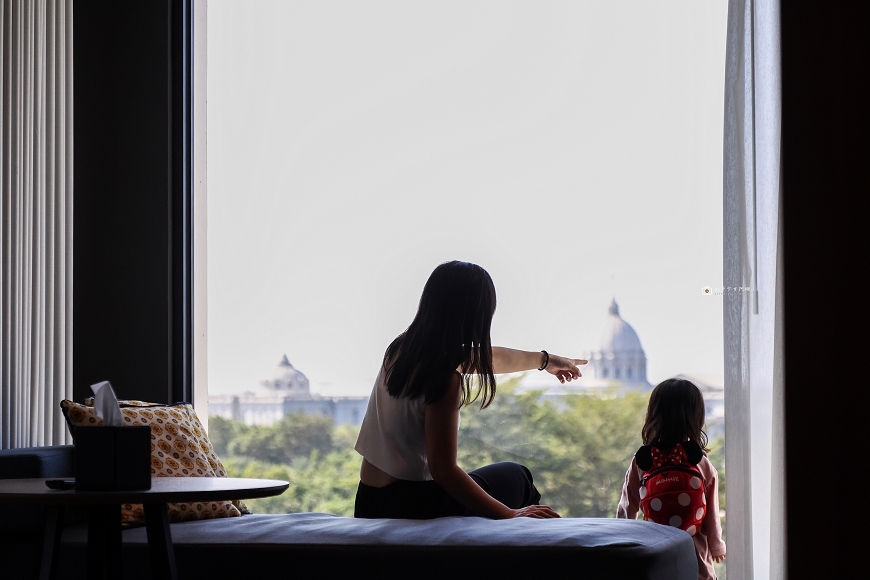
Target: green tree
221	432
321	483
308	451
295	436
577	447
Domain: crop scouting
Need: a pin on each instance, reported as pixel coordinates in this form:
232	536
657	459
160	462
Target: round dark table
104	521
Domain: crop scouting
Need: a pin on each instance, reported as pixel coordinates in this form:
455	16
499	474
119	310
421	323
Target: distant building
620	357
288	391
619	364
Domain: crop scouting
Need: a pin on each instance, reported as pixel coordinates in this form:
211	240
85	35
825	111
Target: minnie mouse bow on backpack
672	486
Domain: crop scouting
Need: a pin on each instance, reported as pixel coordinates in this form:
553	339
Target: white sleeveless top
393	434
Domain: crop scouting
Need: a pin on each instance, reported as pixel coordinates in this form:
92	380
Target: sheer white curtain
755	510
36	220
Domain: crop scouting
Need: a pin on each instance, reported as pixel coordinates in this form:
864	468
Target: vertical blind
36	217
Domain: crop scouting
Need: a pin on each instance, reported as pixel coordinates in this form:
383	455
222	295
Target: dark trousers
509	483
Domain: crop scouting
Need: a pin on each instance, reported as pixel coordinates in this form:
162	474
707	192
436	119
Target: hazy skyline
572	149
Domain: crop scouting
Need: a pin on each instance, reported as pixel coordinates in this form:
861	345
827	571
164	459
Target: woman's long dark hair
675	413
449	332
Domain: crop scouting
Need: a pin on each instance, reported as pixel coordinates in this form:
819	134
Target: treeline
294	438
316	457
578	448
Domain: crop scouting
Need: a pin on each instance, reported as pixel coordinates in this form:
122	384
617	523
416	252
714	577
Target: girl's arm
442	438
509	360
712	524
630	500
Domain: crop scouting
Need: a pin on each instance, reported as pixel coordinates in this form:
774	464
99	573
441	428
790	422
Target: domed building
619	362
287	392
619	365
288	381
619	358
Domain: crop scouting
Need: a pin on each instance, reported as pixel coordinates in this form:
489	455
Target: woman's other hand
540	512
565	369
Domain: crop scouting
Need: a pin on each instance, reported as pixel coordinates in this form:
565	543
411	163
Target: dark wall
825	184
130	291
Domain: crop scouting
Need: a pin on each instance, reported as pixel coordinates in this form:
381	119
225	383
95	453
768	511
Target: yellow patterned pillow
129	403
179	448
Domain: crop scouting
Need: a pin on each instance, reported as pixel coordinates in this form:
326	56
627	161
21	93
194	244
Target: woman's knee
510	483
508	469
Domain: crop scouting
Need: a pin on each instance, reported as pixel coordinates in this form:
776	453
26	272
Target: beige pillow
179	448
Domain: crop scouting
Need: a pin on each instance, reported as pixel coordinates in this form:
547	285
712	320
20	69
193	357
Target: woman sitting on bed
409	435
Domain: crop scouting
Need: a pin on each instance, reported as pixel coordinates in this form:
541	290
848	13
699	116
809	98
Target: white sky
573	149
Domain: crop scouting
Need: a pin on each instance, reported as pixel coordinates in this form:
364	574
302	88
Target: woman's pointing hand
565	369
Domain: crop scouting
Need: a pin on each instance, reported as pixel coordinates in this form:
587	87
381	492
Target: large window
572	149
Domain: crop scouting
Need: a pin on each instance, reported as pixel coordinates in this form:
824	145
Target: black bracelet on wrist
546	360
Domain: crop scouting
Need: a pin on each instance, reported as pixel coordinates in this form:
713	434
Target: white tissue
106	405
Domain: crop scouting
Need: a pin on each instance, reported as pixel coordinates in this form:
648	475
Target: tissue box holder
113	458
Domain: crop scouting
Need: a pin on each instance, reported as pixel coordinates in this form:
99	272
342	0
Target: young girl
409	435
673	434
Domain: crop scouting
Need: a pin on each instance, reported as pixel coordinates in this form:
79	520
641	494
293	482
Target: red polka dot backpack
672	487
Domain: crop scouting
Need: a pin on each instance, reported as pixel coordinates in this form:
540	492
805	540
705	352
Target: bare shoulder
449	402
442	416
